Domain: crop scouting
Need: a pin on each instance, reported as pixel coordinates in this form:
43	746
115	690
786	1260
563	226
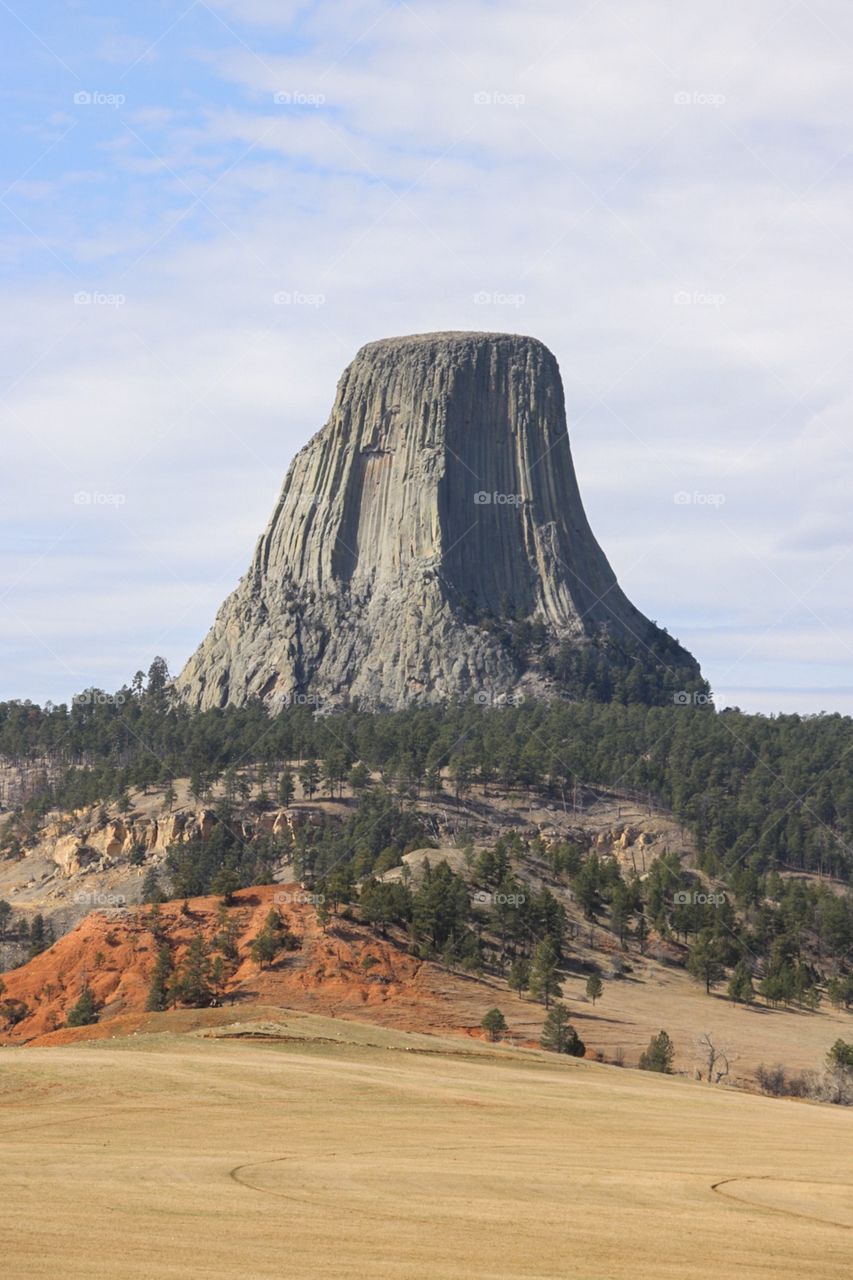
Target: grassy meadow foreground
301	1145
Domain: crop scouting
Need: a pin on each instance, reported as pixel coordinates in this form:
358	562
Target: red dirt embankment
344	971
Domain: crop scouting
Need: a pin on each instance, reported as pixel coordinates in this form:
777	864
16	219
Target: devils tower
432	521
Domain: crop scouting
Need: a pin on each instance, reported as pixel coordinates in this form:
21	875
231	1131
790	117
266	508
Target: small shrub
13	1011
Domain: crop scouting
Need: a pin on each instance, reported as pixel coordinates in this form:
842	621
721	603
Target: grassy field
338	1149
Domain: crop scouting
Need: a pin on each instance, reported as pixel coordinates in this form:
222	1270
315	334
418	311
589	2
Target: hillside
343	971
346	970
88	868
71	861
696	911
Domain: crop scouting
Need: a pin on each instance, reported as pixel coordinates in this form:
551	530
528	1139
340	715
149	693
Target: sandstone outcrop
103	845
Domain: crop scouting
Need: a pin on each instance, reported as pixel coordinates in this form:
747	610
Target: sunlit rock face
438	499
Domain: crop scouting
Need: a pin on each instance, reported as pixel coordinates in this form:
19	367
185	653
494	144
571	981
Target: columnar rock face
440	494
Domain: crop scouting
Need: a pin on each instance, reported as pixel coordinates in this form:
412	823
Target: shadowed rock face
440	492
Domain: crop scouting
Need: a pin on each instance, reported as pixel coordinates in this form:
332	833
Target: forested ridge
756	792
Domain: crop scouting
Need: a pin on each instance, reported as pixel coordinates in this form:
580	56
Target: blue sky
661	195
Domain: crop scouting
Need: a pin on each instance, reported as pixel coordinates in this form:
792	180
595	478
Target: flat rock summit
432	521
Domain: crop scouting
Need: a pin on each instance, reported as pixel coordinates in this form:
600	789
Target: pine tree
198	784
229	930
158	681
433	781
226	882
840	992
192	984
704	962
264	948
619	915
460	772
544	981
658	1056
217	974
358	778
339	887
841	1055
286	788
158	992
494	1024
231	784
38	936
594	987
85	1011
740	984
334	770
519	974
272	938
151	891
587	886
309	776
559	1035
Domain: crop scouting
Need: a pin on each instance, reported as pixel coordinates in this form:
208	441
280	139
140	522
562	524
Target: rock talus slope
440	492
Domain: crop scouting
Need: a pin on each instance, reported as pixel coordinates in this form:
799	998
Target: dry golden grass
340	1149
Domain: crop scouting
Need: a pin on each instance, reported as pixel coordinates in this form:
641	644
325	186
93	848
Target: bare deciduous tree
715	1061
